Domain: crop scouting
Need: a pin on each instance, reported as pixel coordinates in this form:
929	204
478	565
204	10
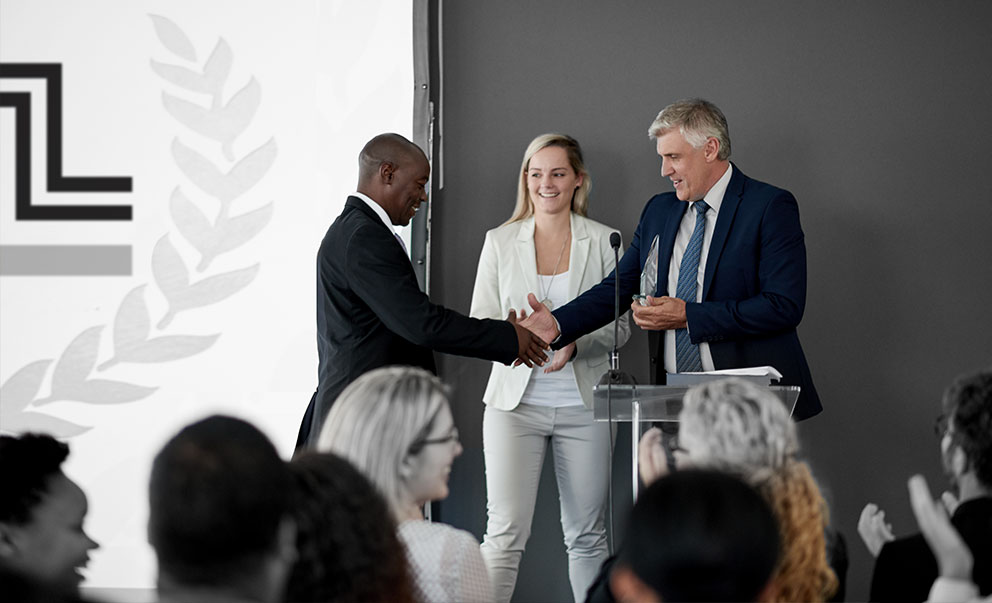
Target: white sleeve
952	590
468	580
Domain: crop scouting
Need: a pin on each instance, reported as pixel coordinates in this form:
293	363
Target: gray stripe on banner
65	260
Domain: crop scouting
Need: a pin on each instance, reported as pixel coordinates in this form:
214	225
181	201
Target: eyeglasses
451	437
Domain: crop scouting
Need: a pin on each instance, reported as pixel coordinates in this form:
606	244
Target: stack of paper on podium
759	375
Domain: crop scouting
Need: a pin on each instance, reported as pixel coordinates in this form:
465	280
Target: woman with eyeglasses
395	425
550	248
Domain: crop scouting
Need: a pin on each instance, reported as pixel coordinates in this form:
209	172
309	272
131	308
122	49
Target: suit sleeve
594	308
379	273
600	341
779	295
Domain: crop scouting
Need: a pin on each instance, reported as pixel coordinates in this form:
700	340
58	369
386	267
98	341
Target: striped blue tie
687	353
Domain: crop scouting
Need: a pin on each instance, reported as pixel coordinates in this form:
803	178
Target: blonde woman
736	426
547	247
395	425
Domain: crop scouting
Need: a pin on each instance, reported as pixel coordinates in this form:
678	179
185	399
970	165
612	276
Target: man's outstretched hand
530	347
540	320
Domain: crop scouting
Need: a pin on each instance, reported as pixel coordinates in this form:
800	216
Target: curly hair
738	422
26	464
803	573
346	540
968	402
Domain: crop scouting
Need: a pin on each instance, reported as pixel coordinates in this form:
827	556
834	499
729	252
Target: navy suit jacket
371	313
754	285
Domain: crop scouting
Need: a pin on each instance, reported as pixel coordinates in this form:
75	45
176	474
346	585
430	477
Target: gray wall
875	115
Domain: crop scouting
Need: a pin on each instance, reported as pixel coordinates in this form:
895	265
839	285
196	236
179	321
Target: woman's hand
873	529
651	460
561	357
953	557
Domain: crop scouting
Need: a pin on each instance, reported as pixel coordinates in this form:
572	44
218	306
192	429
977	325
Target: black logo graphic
56	182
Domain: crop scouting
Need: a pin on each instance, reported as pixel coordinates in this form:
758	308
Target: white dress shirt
713	198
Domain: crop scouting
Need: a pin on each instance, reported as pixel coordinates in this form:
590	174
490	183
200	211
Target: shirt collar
379	211
714	197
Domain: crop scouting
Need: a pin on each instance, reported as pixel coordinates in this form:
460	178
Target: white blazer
508	272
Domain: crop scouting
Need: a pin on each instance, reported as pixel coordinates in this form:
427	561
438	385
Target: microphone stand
614	376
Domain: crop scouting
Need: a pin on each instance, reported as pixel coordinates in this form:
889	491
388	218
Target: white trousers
514	443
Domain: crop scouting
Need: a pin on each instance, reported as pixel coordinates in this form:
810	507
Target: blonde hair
378	421
803	573
580	200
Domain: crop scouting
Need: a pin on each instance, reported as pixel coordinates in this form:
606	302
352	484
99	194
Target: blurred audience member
698	535
734	425
906	567
953	557
220	515
395	425
43	546
346	537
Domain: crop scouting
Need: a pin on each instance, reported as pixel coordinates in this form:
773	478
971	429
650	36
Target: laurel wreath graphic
133	341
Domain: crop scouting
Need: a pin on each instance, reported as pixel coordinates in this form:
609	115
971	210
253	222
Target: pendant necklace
547	292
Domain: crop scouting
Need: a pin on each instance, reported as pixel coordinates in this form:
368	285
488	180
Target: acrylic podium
640	404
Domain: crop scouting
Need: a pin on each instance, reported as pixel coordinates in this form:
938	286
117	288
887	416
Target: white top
558	388
713	198
445	563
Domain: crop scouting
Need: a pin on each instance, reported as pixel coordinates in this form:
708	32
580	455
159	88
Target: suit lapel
728	209
526	256
666	242
579	256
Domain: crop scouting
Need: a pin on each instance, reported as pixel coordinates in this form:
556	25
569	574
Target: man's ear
711	148
959	461
386	170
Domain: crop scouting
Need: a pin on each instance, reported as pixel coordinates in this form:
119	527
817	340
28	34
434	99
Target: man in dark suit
370	309
742	241
906	567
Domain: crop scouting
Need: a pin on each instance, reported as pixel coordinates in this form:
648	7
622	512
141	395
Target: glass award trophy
649	275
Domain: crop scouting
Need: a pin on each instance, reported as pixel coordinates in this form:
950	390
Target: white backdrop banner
167	171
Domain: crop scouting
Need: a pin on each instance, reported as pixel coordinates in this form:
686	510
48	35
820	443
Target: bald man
370	309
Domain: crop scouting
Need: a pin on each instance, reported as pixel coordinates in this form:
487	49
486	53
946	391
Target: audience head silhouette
697	535
42	540
219	513
735	422
966	441
395	425
347	543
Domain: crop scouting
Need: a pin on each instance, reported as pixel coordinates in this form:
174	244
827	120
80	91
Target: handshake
534	332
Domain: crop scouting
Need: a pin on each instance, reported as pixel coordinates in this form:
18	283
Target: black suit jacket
372	313
906	568
754	285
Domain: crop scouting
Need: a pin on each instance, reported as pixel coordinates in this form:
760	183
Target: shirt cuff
950	590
